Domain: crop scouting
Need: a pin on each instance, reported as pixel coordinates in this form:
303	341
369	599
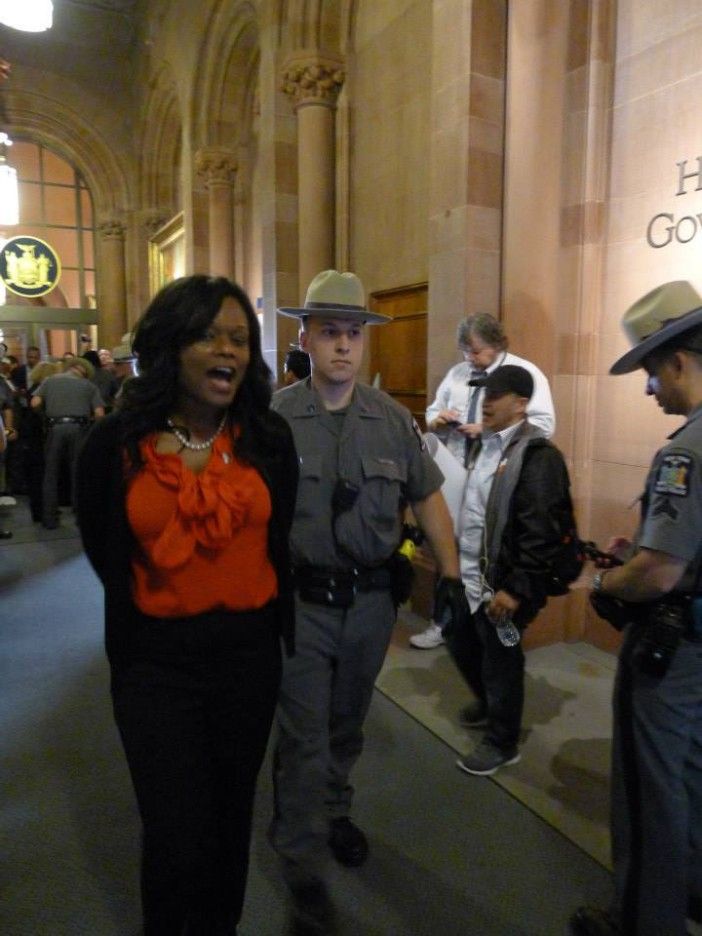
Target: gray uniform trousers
63	443
657	793
324	698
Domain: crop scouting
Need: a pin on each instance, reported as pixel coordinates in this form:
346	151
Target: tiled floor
564	770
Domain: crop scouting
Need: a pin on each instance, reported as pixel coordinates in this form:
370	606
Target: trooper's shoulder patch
674	475
418	432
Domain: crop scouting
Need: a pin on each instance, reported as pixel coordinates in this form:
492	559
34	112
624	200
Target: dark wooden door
398	350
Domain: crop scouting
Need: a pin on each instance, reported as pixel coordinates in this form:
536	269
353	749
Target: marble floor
564	771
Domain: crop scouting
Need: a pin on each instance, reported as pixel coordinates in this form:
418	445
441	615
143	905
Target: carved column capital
310	78
151	219
111	229
216	164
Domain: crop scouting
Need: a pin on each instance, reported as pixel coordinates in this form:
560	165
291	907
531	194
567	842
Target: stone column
313	82
218	168
112	293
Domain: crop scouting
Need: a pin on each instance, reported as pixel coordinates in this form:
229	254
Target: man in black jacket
509	528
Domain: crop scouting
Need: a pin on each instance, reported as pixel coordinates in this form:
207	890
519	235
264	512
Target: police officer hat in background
123	353
82	364
337	295
660	315
510	378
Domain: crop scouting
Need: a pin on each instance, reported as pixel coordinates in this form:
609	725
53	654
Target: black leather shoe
348	844
313	911
5	534
591	921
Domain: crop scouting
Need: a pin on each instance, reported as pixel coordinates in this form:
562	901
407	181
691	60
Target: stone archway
161	148
225	141
55	124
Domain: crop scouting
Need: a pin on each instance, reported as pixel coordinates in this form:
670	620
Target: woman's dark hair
177	317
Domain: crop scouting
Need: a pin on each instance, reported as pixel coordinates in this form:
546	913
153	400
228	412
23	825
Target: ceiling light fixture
27	15
9	191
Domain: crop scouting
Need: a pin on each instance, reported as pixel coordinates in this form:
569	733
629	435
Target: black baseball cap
510	378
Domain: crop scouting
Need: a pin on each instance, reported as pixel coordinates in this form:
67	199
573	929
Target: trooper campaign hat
123	353
82	364
510	378
660	315
336	295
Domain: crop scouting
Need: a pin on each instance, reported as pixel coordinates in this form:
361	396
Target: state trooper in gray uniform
657	595
362	459
71	401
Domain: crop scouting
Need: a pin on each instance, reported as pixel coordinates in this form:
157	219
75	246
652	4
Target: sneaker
428	639
591	921
348	843
473	715
485	759
7	501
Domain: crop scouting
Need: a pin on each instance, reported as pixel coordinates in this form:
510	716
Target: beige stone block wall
389	85
466	156
655	125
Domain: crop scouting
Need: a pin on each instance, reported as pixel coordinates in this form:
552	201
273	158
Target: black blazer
110	544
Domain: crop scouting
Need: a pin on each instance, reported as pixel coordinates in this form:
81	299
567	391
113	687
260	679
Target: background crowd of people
47	404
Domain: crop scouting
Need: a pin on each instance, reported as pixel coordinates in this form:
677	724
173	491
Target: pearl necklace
195	446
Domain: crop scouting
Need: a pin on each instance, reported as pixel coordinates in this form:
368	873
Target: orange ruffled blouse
204	537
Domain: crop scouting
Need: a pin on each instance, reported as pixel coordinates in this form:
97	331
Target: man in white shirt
456	413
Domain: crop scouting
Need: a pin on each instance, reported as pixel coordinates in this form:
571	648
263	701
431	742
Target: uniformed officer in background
656	593
362	459
70	401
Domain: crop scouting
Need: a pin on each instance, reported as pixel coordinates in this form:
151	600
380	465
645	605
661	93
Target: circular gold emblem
29	267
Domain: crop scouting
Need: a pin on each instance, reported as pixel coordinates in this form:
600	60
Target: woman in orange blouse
185	496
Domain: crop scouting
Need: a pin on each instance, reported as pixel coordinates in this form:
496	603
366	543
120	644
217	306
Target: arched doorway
56	210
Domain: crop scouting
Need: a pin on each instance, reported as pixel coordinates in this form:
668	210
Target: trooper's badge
674	475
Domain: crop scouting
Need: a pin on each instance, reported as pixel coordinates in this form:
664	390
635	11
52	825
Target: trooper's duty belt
59	420
337	588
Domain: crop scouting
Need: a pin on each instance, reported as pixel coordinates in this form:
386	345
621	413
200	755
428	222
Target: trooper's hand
450	603
616	612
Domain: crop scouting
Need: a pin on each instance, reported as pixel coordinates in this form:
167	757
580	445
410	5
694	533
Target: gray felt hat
664	313
336	295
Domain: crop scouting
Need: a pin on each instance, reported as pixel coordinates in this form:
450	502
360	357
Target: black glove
402	578
619	613
450	604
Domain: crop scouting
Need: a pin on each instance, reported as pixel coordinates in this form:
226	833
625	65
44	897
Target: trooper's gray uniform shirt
328	683
64	396
657	751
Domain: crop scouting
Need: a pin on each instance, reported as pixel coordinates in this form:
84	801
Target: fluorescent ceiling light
9	190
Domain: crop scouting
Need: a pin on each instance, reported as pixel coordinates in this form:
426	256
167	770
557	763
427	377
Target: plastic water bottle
507	632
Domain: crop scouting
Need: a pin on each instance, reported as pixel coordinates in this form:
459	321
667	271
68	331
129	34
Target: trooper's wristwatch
597	581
